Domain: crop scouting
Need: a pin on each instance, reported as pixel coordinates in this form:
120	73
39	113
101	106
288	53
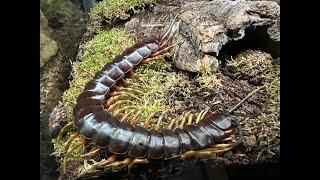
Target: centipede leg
123	109
132	74
126	82
78	145
63	130
103	164
164	49
110	108
199	117
136	161
71	138
91	153
184	118
120	164
154	55
146	123
126	115
171	124
159	123
190	119
134	120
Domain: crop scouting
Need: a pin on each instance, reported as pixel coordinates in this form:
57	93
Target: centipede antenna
249	95
169	29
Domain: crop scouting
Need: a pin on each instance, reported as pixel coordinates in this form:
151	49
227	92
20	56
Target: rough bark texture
206	26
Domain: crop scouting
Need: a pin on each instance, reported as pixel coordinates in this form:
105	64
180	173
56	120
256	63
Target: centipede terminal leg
209	152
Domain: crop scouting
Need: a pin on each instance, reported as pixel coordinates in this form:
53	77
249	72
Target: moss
59	8
250	63
266	126
108	10
208	79
154	80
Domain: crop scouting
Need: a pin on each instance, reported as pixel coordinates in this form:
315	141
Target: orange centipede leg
136	161
91	153
103	164
72	137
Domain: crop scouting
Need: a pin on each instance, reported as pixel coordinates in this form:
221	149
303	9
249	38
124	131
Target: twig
249	95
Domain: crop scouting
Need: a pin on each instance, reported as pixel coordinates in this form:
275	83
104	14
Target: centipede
138	144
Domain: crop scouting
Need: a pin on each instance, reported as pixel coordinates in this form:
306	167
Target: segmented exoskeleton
107	131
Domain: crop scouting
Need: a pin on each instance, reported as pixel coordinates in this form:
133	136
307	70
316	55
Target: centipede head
167	38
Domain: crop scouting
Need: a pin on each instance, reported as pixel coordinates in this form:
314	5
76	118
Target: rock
48	46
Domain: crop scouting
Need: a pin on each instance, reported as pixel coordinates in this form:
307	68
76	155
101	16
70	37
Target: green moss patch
108	11
250	63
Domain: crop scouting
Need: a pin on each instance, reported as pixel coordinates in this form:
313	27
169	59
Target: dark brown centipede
106	131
